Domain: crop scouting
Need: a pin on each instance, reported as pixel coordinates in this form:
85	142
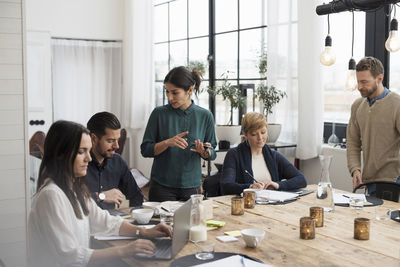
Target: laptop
167	248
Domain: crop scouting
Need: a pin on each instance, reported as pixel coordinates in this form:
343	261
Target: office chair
384	190
36	144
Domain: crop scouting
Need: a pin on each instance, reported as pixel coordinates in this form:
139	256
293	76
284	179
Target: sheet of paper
344	198
140	179
274	195
233	261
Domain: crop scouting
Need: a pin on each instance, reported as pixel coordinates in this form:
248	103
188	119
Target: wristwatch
138	231
102	197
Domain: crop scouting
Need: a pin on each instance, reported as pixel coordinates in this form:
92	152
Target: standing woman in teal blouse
177	136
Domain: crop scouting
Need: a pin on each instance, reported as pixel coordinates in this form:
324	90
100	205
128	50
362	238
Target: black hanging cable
352	36
329	26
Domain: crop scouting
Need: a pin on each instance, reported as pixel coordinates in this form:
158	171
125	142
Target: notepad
226	238
215	223
344	198
236	260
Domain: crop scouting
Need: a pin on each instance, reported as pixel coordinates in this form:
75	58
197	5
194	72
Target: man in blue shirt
108	177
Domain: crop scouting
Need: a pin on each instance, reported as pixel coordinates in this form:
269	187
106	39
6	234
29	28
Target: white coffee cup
252	237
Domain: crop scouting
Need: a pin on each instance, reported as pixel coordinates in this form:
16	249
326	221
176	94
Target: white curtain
138	92
86	78
138	86
311	104
282	66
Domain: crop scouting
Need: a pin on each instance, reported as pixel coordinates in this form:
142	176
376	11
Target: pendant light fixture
328	56
351	80
392	43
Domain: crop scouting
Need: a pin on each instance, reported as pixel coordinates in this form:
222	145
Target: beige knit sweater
376	131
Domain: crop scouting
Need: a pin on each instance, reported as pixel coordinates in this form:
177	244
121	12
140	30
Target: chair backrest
36	144
211	185
121	142
384	190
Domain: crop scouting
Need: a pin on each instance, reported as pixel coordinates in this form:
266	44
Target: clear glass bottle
333	139
198	228
325	190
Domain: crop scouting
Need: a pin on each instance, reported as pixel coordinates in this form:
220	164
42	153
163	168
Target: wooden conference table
333	244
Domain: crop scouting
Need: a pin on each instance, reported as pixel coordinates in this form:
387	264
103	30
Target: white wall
13	142
80	19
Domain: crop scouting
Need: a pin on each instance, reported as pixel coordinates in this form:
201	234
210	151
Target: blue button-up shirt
384	93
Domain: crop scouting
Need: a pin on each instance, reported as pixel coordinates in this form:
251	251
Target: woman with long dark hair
63	215
177	136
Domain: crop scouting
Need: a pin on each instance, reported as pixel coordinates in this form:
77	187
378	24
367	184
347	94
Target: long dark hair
181	77
60	149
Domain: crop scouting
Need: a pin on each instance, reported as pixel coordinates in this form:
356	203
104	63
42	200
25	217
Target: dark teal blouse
175	167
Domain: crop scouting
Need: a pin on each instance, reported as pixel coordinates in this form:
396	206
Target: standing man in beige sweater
374	128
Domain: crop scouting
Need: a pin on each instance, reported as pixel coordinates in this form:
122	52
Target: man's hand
114	196
160	230
357	180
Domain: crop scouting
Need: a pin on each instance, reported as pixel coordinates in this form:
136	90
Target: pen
251	176
346	196
164	209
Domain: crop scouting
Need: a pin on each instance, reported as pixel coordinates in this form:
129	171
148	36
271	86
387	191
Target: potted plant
269	96
228	134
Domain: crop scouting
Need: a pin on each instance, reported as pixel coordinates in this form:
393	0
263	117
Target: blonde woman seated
252	164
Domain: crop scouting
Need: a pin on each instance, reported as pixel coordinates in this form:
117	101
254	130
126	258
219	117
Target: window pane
178	19
223	109
284	11
294	10
394	70
161	23
178	52
251	87
202	99
251	44
250	13
226	55
160	61
198	51
337	99
159	94
198	18
226	15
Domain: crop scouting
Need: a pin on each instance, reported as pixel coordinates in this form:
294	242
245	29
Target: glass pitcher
325	190
198	228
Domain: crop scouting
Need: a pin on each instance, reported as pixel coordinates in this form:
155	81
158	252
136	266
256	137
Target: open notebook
276	196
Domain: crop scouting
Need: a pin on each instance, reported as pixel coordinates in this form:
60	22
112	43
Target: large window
182	35
337	99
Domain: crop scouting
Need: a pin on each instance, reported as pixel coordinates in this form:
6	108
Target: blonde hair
253	121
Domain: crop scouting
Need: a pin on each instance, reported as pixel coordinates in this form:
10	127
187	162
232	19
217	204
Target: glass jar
198	228
324	189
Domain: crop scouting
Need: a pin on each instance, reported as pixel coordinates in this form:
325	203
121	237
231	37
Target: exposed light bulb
392	43
328	56
351	80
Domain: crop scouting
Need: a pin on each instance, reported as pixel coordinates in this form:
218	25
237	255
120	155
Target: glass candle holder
361	228
237	206
307	228
318	214
249	198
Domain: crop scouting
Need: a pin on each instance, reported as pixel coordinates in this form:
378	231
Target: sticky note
224	238
233	233
215	223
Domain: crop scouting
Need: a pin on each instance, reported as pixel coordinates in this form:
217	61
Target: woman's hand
257	186
201	148
160	230
138	246
178	141
271	185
